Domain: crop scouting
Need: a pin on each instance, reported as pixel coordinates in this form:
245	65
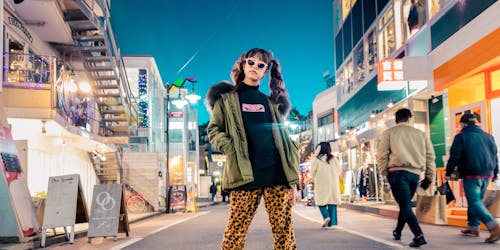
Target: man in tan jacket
403	153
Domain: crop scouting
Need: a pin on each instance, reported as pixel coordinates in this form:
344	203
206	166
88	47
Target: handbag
492	202
431	209
445	190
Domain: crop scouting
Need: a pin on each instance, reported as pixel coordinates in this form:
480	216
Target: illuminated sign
176	114
390	75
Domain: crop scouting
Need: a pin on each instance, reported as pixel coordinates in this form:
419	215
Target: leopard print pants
242	210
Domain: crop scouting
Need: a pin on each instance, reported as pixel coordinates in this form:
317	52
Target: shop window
359	63
16	62
495	80
337	16
339	81
387	43
371	51
346	7
414	16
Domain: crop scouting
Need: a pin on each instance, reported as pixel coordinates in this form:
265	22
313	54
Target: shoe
470	232
494	235
418	241
325	222
396	235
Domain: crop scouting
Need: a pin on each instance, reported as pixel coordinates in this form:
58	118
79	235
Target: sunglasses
259	65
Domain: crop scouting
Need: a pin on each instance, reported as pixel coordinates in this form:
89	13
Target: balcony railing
29	70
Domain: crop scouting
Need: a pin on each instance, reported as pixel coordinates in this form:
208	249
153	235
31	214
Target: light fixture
84	87
434	99
179	103
390	104
44	129
193	97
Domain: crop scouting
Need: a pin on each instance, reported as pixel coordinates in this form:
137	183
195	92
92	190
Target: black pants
403	186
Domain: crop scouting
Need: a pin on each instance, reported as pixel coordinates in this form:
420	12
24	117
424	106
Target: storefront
50	109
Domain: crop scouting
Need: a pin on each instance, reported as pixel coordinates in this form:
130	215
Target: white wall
495	121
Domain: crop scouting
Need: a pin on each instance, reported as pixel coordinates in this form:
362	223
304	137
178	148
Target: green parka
227	133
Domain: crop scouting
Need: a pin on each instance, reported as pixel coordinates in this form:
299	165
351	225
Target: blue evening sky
214	33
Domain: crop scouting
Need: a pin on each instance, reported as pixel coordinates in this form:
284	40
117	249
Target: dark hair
403	115
276	83
325	149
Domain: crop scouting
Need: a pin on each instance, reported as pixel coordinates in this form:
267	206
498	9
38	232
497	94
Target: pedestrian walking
261	159
474	156
325	171
213	191
403	153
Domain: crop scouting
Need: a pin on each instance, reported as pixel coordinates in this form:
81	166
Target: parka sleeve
314	168
383	151
430	160
216	129
455	154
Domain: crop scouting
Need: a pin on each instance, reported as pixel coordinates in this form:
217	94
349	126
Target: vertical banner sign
108	216
143	99
17	213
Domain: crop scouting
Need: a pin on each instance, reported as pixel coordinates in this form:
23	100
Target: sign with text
177	198
65	204
390	75
108	214
176	114
17	212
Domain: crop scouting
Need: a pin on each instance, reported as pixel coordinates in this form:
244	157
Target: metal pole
167	149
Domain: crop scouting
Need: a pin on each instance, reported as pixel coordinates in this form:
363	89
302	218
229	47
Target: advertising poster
177	197
15	198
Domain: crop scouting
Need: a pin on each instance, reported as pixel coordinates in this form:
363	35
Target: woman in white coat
325	172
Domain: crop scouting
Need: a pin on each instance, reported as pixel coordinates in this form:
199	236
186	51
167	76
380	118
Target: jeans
403	186
474	189
329	211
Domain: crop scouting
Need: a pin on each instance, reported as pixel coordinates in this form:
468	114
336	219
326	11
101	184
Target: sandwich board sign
17	213
108	215
65	205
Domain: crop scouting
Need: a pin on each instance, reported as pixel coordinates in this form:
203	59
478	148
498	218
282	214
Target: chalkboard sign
177	198
108	215
65	204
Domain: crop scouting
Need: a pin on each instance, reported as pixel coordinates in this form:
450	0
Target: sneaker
396	235
494	235
325	222
418	241
470	232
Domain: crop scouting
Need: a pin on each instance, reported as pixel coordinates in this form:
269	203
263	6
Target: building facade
437	58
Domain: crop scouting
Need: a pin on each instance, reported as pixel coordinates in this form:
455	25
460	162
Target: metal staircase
100	56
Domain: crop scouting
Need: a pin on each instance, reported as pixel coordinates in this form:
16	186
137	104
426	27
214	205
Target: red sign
390	74
176	114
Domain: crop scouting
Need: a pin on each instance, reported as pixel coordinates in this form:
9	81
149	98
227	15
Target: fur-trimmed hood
217	90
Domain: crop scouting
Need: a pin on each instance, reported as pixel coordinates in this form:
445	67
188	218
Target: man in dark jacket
474	154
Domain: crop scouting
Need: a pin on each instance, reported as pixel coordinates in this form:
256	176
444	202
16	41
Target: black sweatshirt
264	157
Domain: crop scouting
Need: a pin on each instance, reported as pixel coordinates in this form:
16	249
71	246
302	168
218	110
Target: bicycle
136	203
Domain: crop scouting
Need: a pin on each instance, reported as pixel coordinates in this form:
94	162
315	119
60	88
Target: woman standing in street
261	158
326	173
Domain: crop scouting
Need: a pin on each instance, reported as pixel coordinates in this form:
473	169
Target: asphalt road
205	232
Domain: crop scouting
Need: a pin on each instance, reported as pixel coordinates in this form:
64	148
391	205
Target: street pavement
203	230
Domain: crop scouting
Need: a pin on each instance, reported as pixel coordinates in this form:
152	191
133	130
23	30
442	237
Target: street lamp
179	103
